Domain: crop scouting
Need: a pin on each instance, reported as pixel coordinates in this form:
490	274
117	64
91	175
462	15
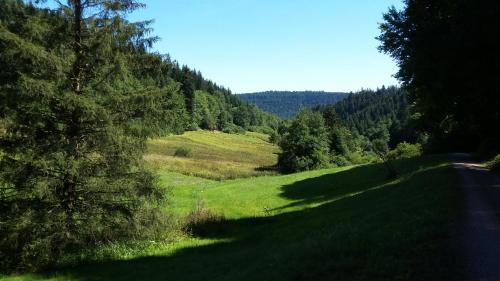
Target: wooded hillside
287	103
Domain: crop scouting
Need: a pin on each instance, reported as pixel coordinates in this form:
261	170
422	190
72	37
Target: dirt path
481	225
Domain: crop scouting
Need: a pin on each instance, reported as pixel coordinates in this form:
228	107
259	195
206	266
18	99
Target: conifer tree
72	135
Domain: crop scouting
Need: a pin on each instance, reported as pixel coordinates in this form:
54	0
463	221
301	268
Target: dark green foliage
202	221
340	225
372	113
230	128
342	146
305	143
213	107
405	150
287	104
447	52
365	125
79	95
73	114
183	152
380	148
494	164
337	134
276	136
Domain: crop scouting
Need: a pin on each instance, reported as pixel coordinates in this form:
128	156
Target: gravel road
481	224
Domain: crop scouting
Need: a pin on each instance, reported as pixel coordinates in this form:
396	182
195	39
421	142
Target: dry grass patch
214	155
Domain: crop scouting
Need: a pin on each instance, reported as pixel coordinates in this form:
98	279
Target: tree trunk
76	75
71	180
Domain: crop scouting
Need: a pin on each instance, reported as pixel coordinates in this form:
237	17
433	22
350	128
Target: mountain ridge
286	103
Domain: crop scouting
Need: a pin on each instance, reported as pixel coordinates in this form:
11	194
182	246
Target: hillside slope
370	112
285	103
214	155
334	224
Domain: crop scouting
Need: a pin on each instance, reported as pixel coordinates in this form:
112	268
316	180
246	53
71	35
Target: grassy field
214	155
334	224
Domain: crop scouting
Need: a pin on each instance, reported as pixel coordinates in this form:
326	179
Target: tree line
213	107
448	61
287	103
367	126
447	53
80	93
370	113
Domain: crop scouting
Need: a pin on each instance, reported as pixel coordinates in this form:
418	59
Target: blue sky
257	45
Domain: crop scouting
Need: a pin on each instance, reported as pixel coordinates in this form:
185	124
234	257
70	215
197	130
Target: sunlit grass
214	155
345	223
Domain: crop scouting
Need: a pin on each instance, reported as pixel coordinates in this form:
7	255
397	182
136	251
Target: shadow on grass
334	186
271	168
390	233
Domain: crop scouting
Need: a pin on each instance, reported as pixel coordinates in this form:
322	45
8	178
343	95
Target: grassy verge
335	224
214	155
494	164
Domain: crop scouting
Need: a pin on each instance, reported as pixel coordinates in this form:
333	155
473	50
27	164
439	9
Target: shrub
192	127
305	143
261	129
340	160
183	152
30	248
203	221
208	122
276	136
405	150
233	129
359	157
494	164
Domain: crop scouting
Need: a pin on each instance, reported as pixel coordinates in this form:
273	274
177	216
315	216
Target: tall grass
214	155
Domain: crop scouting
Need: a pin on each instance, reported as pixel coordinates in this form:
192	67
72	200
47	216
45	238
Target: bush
261	129
305	144
233	129
203	221
183	152
340	160
494	164
405	150
208	123
358	157
192	127
274	137
35	247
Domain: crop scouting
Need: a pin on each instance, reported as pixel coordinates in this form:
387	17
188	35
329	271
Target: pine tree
71	144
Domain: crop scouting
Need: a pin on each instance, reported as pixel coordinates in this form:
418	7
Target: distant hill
286	103
367	112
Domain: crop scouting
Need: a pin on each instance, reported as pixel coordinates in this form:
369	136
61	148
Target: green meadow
214	155
348	223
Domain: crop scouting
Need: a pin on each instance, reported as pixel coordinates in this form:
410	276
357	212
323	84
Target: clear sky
257	45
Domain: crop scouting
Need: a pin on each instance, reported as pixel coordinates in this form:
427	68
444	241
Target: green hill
369	112
336	224
214	155
286	103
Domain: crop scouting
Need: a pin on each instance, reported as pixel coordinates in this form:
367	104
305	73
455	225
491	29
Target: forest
80	94
118	162
368	112
448	64
287	103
